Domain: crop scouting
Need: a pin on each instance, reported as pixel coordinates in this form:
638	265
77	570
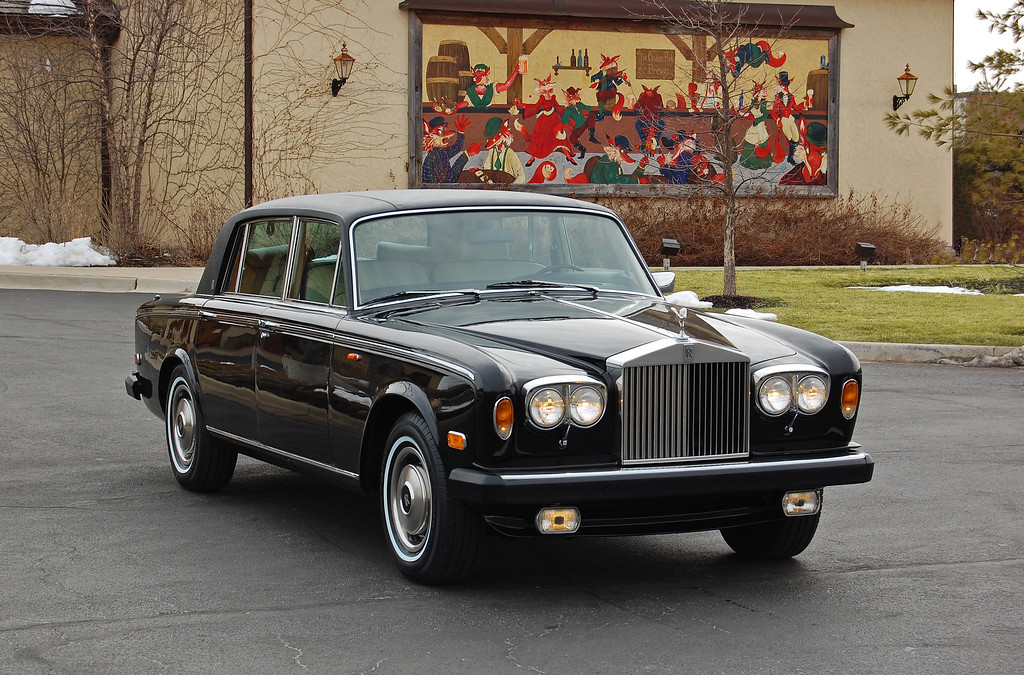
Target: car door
294	347
228	327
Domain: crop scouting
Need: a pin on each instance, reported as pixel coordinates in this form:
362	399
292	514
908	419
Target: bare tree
47	157
162	89
725	30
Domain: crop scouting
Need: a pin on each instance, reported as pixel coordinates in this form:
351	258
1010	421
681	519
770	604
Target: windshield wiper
419	292
537	283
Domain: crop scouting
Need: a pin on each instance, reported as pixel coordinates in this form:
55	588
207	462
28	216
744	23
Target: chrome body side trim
282	453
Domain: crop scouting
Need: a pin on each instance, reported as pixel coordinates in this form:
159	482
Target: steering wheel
554	268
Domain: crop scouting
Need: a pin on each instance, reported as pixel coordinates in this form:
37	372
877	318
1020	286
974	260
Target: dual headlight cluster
552	402
782	389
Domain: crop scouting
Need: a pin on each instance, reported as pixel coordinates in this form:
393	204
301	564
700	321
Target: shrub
974	251
781	231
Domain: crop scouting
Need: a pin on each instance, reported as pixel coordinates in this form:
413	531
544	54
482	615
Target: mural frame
418	116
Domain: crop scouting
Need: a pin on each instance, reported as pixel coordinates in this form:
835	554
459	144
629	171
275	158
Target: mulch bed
732	301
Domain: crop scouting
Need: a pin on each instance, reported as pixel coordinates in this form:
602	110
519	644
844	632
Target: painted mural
558	107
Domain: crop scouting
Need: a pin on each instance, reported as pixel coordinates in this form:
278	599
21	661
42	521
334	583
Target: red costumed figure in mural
549	134
784	112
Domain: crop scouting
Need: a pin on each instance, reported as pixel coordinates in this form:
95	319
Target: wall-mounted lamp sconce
343	66
906	81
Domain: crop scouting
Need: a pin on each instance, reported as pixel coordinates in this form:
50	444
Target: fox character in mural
649	125
481	94
500	156
756	152
579	118
677	164
607	81
784	112
609	168
811	155
755	55
549	134
443	159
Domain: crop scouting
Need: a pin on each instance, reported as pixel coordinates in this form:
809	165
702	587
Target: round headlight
775	395
547	407
811	392
586	406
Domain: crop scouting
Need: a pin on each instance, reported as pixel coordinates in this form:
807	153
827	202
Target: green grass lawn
820	300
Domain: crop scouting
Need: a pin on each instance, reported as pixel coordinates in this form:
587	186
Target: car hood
591	329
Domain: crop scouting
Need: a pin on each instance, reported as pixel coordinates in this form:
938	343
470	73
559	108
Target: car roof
350	206
347	207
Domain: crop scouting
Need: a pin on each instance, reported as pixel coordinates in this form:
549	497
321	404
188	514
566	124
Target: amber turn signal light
503	417
851	398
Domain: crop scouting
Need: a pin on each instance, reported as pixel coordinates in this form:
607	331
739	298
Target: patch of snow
753	314
687	299
75	253
52	7
955	290
1012	359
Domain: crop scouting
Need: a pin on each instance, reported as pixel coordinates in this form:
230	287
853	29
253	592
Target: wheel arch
394	401
177	357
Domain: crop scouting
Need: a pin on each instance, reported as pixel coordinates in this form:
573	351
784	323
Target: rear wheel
433	537
199	461
771	541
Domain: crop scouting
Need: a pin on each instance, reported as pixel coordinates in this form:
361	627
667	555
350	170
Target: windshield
472	250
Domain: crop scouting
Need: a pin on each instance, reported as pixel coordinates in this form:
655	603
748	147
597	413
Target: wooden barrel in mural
442	79
818	81
460	52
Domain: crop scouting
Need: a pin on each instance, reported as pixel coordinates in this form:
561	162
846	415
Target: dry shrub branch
782	231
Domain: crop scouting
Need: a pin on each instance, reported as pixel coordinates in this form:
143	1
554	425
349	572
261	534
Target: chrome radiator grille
685	412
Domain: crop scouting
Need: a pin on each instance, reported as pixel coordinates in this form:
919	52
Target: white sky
972	40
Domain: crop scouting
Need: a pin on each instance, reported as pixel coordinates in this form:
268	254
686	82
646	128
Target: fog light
801	503
558	520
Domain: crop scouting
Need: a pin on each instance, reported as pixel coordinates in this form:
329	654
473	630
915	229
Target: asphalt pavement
170	280
109	566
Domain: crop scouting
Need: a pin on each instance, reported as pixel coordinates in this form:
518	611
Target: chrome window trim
579	210
248	226
240	263
304	220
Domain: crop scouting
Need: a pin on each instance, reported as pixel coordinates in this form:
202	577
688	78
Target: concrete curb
895	352
102	279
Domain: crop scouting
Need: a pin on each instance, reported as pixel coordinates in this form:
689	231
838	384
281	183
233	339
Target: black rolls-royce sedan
493	359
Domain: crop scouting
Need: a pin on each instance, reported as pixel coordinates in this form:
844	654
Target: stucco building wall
872	159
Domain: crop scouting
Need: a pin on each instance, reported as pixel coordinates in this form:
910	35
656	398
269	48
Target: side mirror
666	282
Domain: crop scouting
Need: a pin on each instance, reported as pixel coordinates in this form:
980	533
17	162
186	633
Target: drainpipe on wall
248	131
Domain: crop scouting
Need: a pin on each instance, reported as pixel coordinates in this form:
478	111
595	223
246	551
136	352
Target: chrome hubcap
182	429
409	500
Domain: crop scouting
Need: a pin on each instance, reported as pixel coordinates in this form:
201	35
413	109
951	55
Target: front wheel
200	462
433	537
774	540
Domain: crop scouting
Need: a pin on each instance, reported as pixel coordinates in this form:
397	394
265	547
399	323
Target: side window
231	283
266	257
315	260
